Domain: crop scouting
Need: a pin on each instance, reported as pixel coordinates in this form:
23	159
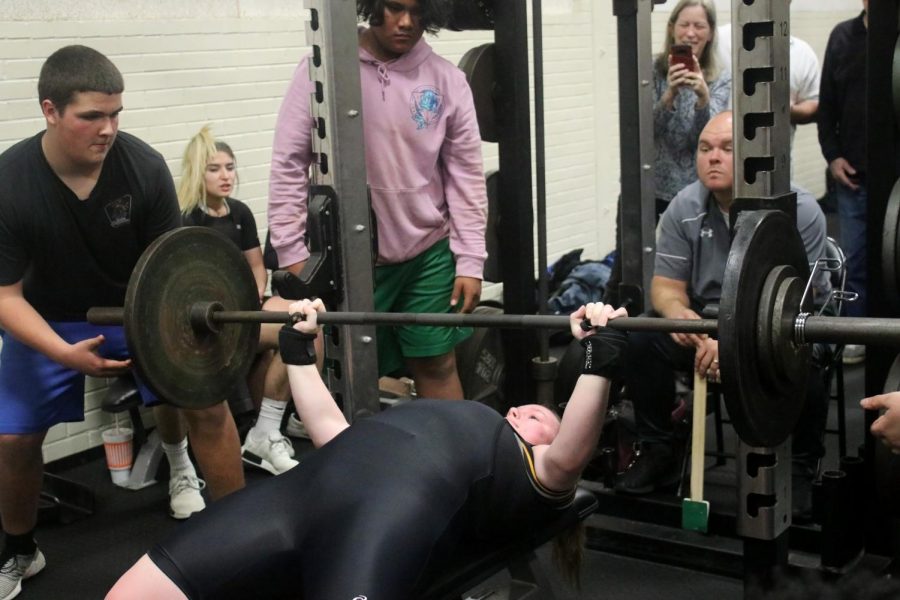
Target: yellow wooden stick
698	437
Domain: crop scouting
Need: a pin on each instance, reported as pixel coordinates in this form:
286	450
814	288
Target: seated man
691	254
379	507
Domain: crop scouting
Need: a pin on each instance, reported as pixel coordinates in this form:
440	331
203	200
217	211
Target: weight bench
473	563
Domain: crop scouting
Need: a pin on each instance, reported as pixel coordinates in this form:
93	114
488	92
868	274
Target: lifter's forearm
579	430
315	406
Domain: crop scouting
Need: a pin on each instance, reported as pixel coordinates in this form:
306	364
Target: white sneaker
184	494
271	453
296	428
17	568
854	354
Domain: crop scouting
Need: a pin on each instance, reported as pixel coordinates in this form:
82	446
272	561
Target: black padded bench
475	563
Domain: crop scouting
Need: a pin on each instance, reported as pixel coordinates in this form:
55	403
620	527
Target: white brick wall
184	68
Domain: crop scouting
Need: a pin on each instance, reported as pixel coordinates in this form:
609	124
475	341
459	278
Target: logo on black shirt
706	232
119	211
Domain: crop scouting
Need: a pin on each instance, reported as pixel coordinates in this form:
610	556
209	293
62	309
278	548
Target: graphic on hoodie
427	105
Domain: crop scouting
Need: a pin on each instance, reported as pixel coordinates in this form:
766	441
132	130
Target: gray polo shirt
693	241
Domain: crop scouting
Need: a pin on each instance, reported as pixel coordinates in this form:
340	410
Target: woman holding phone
689	88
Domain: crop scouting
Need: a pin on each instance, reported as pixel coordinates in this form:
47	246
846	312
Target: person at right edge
842	135
425	175
691	256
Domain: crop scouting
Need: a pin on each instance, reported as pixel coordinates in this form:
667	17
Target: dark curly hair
434	13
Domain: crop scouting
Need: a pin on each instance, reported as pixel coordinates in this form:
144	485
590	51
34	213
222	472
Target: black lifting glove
603	352
296	347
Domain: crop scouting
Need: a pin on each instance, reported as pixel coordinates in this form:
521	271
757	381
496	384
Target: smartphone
682	54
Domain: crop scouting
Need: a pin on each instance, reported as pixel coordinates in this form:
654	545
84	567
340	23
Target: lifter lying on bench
380	511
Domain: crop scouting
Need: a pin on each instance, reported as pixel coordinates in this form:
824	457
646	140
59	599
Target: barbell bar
191	322
202	314
807	328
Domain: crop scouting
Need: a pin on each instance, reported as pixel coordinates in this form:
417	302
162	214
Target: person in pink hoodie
425	174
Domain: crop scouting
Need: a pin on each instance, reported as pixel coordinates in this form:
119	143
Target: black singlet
372	514
73	254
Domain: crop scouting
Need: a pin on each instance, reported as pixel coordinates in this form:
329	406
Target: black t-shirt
73	254
238	225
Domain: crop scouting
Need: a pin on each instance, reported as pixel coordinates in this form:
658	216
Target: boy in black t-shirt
78	206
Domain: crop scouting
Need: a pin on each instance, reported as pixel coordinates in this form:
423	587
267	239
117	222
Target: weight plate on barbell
887	464
764	398
890	248
180	365
892	381
895	82
783	363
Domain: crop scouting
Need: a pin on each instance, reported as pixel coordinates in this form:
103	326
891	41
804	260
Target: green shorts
420	285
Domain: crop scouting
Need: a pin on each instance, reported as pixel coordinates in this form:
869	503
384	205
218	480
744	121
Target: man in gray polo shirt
691	254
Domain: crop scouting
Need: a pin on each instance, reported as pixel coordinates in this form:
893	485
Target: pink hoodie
423	161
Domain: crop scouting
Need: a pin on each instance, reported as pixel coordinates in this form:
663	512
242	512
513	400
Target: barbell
191	327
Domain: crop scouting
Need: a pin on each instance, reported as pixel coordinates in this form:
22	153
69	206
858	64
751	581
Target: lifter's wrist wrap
296	347
603	352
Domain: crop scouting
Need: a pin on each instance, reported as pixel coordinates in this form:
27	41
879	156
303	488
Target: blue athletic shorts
37	393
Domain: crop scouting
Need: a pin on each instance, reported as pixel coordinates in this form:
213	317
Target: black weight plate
478	65
762	406
887	464
895	82
892	381
890	248
784	365
181	366
481	362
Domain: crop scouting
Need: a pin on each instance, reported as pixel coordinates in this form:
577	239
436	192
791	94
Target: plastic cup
117	441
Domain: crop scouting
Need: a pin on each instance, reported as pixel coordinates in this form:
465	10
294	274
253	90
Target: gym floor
86	556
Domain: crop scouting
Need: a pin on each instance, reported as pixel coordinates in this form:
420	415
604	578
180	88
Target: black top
238	225
374	513
842	96
73	254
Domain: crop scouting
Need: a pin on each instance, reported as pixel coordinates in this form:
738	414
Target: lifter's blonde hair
199	152
568	553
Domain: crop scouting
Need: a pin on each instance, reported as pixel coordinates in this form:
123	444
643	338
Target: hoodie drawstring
384	78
